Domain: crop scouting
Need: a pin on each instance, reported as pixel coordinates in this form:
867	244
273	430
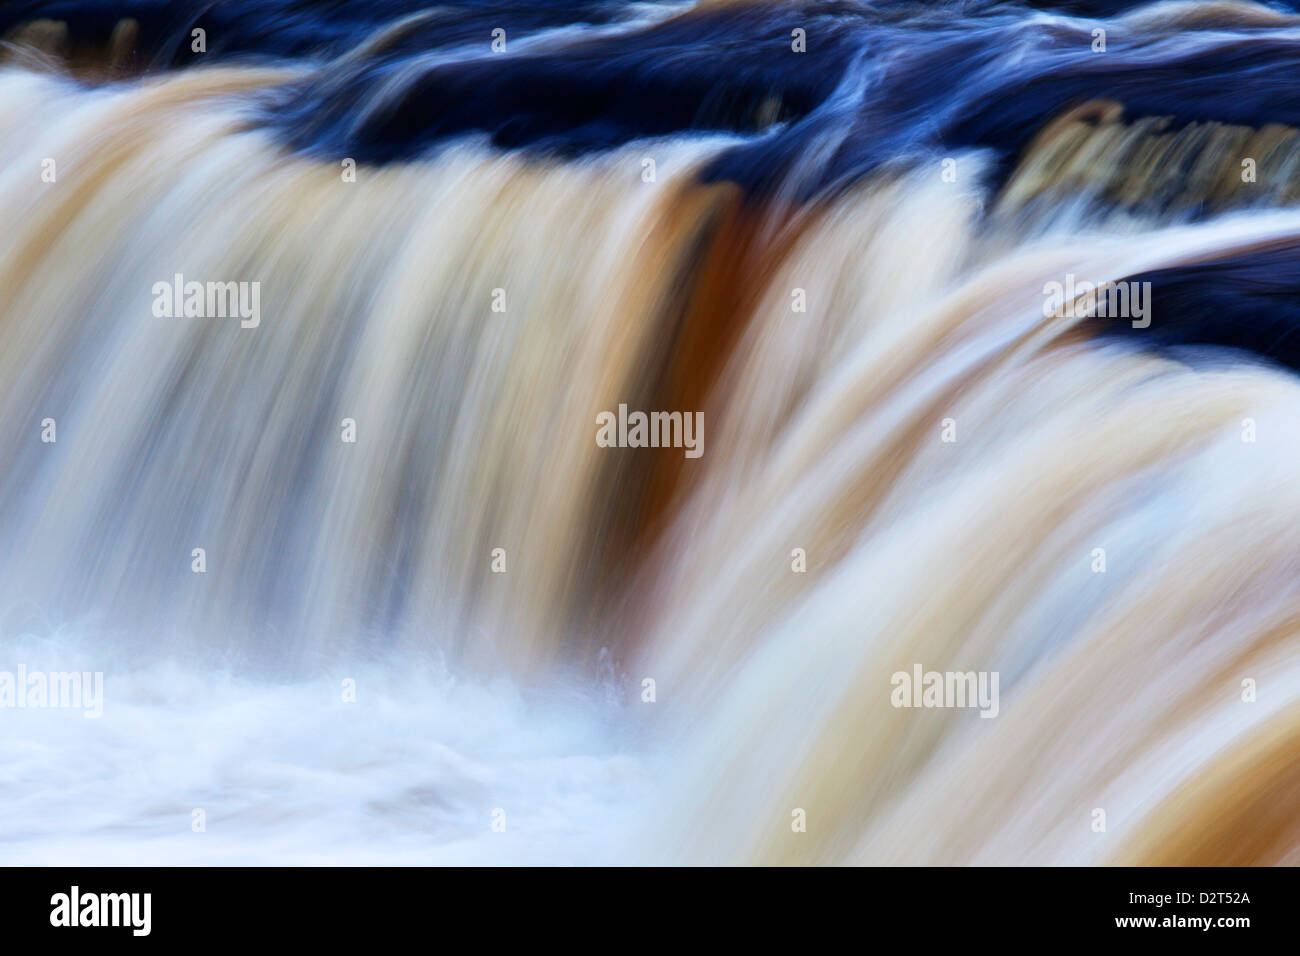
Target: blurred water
411	773
617	212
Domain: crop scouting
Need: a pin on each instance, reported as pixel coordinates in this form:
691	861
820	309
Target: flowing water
363	584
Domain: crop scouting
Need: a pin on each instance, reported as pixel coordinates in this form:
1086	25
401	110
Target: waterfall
306	341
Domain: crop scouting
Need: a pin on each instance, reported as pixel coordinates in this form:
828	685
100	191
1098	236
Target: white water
287	773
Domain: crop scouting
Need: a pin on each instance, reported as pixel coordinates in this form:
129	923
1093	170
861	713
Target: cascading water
364	583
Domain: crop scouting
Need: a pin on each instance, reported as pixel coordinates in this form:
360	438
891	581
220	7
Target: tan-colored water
1121	690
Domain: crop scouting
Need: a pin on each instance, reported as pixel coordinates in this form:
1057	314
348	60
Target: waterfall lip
875	85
